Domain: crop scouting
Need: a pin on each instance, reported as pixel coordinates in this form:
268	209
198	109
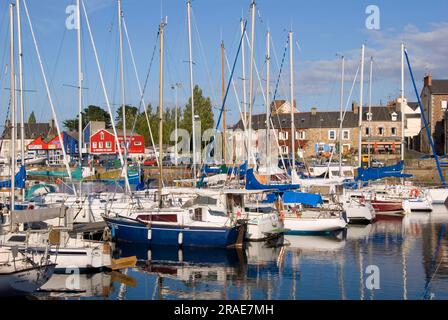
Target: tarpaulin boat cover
253	184
271	198
36	215
309	199
19	180
384	172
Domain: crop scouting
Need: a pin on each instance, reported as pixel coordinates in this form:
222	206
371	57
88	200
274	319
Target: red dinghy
386	206
388	210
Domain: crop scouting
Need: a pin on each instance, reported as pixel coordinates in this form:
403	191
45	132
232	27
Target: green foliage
32	118
91	113
202	108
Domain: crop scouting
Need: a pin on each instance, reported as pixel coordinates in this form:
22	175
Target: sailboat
20	274
210	219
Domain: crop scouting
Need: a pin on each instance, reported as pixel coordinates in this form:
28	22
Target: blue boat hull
127	230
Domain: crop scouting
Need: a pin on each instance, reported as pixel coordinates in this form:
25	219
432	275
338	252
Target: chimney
428	80
355	107
313	111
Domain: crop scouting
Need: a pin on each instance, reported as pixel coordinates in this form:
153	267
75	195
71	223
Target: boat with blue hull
125	229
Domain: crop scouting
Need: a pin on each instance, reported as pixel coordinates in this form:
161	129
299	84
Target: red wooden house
103	142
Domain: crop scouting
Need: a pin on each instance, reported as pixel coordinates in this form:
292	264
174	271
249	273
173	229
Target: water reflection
411	254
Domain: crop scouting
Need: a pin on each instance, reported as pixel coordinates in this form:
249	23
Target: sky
322	31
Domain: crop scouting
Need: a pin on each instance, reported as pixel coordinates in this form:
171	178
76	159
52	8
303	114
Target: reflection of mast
361	275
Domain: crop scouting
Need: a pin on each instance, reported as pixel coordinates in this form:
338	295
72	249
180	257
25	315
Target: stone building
318	132
434	97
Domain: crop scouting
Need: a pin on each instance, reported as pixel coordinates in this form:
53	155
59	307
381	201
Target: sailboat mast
22	107
190	62
268	99
13	107
123	101
370	104
293	126
80	80
361	101
341	114
251	85
223	93
22	110
162	28
243	61
402	102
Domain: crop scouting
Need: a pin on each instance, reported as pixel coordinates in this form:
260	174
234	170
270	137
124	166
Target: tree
202	108
32	118
91	113
95	113
131	114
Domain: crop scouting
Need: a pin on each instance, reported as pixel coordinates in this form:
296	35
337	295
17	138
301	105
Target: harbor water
395	259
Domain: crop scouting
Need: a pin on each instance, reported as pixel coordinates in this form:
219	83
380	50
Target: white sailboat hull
262	226
313	225
438	196
413	205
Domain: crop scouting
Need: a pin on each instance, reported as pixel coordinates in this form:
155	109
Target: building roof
32	131
327	119
413	105
439	87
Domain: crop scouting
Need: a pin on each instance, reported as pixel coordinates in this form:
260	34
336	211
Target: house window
332	134
444	105
137	143
108	144
102	135
369	116
100	145
283	135
367	131
380	131
345	135
393	131
300	135
394	116
285	149
94	145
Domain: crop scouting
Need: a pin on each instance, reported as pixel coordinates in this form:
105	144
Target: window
108	144
380	131
393	131
100	145
444	105
394	116
285	149
137	143
345	135
367	131
300	135
369	116
283	135
94	145
332	134
102	136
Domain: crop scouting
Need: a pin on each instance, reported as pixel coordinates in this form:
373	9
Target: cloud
427	51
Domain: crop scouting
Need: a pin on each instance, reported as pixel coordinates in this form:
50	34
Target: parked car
184	161
150	162
167	161
374	163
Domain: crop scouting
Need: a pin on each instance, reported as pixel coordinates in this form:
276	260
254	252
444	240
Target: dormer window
394	116
369	116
